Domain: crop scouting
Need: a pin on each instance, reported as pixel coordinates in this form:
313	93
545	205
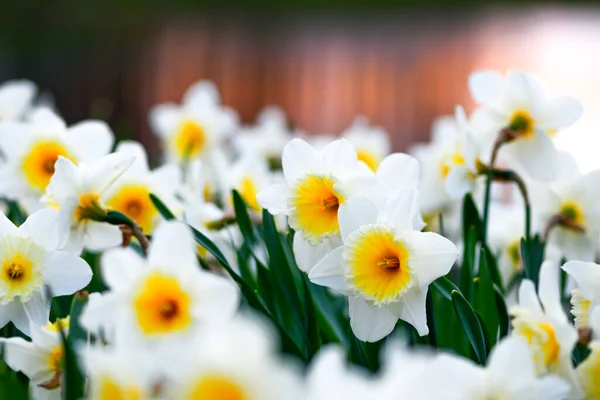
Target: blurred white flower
506	228
510	374
29	261
314	187
248	175
16	97
547	330
521	104
193	129
41	359
164	297
32	149
79	193
234	360
130	194
372	143
586	295
385	265
588	372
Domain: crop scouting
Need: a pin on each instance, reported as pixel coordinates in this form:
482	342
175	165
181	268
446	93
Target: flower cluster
258	262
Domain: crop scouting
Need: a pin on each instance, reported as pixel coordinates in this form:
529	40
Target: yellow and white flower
576	201
79	192
32	149
314	187
28	262
248	175
235	361
521	105
372	143
16	98
130	194
586	295
547	330
167	296
41	359
588	372
385	266
193	129
509	374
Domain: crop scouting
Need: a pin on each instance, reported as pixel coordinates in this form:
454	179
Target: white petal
459	182
173	247
528	298
201	94
23	356
537	155
39	393
101	311
524	91
340	156
14	138
137	151
486	86
15	312
274	199
74	242
167	177
574	245
561	112
47	119
307	255
370	323
121	267
431	256
586	276
6	225
101	236
551	387
549	290
511	363
402	211
298	158
106	171
65	181
411	308
66	273
219	298
91	140
37	309
42	227
16	97
328	272
355	212
164	118
398	171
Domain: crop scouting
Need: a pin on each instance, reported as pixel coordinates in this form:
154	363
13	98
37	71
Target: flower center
190	140
56	358
111	390
450	161
89	208
216	387
315	206
522	123
38	163
581	309
514	253
377	264
161	305
572	211
368	158
56	326
134	201
20	273
248	191
542	340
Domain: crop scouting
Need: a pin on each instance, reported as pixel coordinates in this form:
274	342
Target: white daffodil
385	266
507	227
547	330
372	143
330	377
130	194
193	129
29	261
16	97
574	211
124	373
248	175
314	187
167	296
41	359
588	372
266	139
234	360
521	105
32	149
586	295
509	375
79	192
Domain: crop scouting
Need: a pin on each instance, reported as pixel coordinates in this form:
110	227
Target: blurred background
399	63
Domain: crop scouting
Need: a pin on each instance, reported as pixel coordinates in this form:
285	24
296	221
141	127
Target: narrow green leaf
76	331
484	298
503	317
310	324
243	218
445	287
470	324
161	207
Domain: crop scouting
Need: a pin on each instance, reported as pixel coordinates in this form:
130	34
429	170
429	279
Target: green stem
486	205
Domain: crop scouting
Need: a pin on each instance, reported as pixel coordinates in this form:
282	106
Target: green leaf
470	324
503	317
243	218
532	253
467	270
76	331
485	302
161	207
445	287
311	325
471	217
118	218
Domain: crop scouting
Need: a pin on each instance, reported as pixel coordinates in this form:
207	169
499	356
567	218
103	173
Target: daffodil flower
248	175
233	360
372	143
521	105
41	359
193	129
509	375
384	266
588	372
16	98
586	295
167	296
32	149
314	187
547	330
79	192
130	194
29	260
